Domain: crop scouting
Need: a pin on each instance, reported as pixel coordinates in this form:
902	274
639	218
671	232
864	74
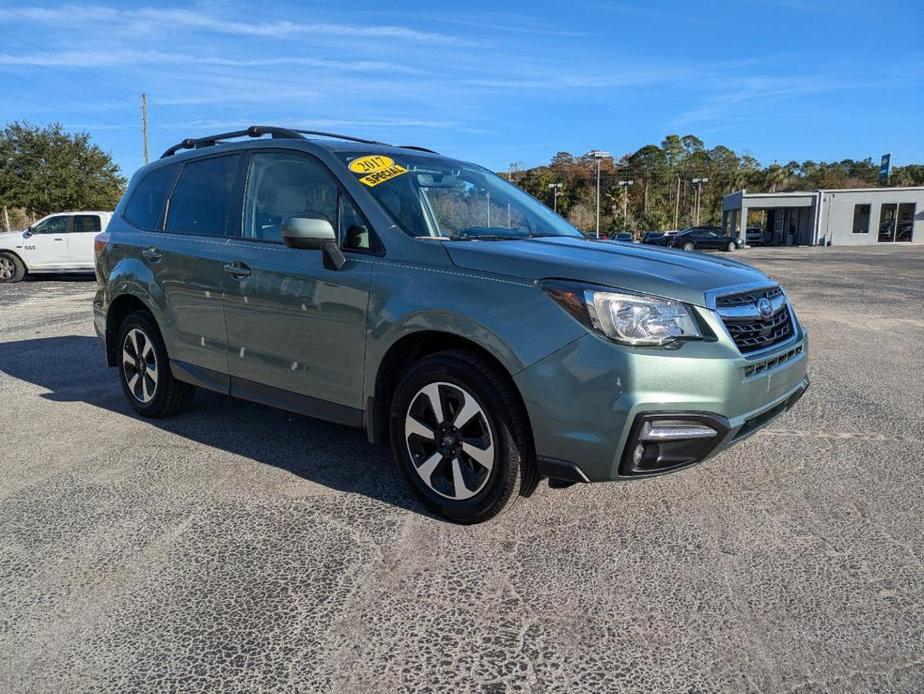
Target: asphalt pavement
240	548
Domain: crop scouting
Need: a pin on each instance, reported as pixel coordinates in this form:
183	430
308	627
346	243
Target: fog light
663	441
673	430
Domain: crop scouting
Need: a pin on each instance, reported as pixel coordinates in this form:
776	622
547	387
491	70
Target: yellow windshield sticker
371	163
383	175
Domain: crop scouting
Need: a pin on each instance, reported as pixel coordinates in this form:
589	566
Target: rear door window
86	223
145	208
201	201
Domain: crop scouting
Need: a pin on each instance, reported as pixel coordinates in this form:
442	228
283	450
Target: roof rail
336	136
418	148
260	130
252	131
362	140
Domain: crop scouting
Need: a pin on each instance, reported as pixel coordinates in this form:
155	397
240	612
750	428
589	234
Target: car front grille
749	328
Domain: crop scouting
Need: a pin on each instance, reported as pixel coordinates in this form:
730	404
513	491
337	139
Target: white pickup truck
61	242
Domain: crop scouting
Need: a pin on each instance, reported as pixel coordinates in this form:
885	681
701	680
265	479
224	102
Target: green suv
440	308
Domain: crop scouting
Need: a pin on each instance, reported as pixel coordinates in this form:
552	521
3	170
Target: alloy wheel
6	268
139	365
449	440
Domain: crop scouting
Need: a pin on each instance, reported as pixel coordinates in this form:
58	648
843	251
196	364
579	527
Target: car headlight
625	317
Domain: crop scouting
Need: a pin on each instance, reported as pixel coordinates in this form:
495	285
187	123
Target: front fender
514	320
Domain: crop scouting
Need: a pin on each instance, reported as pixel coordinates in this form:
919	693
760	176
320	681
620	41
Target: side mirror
313	233
27	233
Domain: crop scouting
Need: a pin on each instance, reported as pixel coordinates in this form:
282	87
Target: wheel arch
119	309
405	351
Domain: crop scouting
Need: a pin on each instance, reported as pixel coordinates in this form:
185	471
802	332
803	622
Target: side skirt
267	395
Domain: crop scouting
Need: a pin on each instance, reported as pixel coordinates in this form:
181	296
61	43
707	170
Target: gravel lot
237	547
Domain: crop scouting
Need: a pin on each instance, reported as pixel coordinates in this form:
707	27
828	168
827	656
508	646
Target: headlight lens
625	317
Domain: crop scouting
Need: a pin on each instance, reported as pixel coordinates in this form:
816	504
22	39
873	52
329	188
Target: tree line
45	170
663	194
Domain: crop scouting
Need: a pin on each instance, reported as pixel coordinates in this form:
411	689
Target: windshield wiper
485	237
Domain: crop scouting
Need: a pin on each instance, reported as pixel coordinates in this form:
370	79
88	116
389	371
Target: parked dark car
621	236
704	237
756	236
657	238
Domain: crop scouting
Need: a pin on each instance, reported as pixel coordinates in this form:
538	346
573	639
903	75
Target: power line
67	62
60	93
57	108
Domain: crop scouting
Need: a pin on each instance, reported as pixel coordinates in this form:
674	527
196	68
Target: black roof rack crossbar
252	131
260	130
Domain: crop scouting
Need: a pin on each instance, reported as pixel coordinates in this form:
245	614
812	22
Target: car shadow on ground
73	369
64	277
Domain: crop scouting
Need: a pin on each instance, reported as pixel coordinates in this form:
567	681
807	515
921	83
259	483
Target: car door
84	228
45	243
706	238
296	325
187	262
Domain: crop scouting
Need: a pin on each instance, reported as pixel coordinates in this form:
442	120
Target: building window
861	219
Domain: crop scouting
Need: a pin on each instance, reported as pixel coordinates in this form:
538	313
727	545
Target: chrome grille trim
761	367
749	329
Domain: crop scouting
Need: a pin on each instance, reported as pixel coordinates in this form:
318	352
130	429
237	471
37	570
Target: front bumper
586	400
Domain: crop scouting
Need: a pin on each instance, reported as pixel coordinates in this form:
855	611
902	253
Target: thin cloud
175	18
118	57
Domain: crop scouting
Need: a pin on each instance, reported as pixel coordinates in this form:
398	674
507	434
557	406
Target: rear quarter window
145	208
84	223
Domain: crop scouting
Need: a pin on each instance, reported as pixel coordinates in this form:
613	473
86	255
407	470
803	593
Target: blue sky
486	81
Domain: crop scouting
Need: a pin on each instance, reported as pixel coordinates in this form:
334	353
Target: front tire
12	269
460	437
732	247
144	369
688	246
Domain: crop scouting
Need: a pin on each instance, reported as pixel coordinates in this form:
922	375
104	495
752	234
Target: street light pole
598	155
625	200
698	182
556	191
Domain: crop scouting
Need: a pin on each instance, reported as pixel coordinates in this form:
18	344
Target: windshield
442	198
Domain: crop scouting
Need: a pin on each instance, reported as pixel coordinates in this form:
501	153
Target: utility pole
598	155
556	191
625	201
144	124
698	182
677	204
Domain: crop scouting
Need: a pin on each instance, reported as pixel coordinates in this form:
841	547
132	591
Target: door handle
237	269
151	254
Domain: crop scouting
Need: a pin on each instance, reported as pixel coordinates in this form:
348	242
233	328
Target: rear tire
12	269
732	247
688	246
144	369
460	437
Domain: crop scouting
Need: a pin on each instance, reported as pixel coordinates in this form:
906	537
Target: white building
849	217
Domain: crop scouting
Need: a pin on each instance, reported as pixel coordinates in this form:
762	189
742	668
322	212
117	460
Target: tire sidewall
505	475
19	268
147	326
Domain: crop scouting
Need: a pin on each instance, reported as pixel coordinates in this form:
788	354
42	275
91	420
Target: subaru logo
764	306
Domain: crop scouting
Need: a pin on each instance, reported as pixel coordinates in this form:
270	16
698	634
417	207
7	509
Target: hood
663	272
11	239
